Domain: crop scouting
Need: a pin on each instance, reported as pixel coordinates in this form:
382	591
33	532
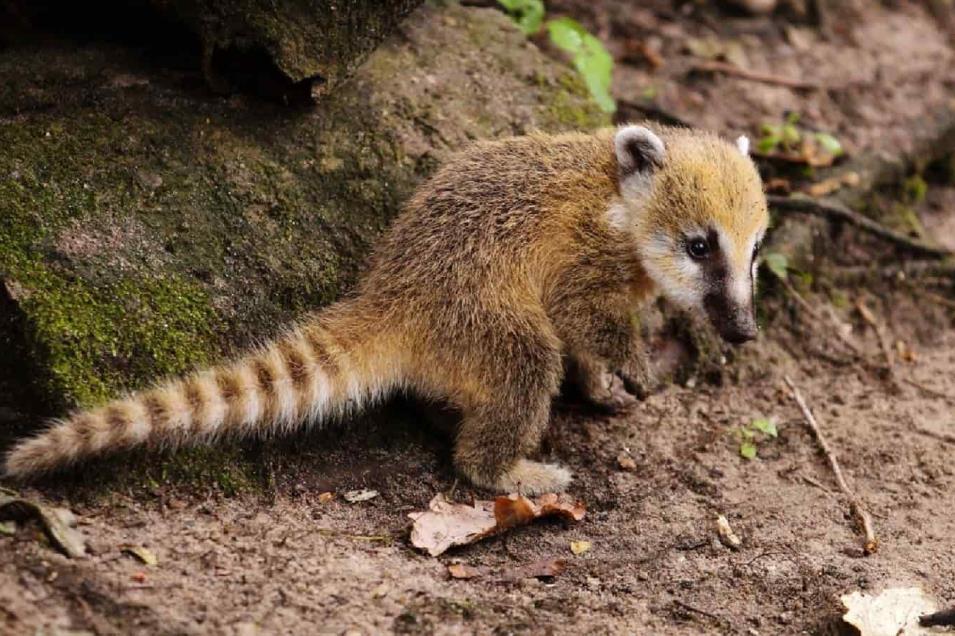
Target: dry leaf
626	462
143	554
893	612
828	186
464	571
356	496
447	524
580	547
57	522
139	577
535	570
904	351
729	538
325	497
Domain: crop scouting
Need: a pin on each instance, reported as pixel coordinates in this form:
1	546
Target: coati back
516	257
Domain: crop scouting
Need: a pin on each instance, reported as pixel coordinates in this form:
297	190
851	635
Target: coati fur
516	257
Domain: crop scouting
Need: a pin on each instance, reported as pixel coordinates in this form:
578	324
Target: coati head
696	207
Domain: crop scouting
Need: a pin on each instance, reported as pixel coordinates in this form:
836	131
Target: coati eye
698	248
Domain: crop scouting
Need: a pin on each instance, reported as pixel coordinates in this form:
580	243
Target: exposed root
839	212
871	544
754	76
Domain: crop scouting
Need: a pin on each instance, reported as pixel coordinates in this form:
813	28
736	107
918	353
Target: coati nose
738	331
738	336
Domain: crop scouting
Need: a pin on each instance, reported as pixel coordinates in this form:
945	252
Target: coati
517	256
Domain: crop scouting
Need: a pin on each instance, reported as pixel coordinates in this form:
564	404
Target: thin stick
871	543
754	76
839	212
697	610
869	318
901	272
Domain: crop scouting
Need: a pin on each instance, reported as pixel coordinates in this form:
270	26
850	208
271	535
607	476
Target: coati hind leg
502	427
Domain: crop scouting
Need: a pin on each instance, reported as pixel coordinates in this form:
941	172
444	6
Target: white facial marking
742	142
618	215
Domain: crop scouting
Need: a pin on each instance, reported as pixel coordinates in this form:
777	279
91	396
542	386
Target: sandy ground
284	562
280	560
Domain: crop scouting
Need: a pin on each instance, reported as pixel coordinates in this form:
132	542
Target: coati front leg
504	424
608	363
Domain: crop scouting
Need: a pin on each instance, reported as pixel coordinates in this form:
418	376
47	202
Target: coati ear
742	142
638	149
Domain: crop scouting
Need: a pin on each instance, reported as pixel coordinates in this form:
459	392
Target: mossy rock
147	227
321	40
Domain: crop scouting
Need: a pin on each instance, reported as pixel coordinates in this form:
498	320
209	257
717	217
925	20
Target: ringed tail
335	363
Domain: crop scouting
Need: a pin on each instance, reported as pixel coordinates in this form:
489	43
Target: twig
942	437
871	543
869	318
697	610
755	76
926	390
839	212
900	272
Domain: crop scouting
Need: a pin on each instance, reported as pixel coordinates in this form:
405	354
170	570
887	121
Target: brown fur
501	267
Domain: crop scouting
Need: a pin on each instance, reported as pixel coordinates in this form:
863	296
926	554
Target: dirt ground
281	560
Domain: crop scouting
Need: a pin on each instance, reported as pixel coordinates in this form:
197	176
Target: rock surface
147	227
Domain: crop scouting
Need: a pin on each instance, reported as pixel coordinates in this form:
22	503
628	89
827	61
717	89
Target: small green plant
759	430
528	14
587	52
817	148
778	264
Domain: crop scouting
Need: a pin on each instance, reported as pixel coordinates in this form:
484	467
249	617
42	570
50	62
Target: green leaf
766	426
528	14
768	144
747	450
589	56
777	263
830	144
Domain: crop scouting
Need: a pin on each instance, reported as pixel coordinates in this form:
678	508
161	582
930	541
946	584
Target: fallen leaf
536	570
8	528
625	461
894	611
726	534
447	524
904	351
139	577
57	522
580	547
325	497
143	554
356	496
463	571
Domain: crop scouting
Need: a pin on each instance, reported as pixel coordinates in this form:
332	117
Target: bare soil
281	560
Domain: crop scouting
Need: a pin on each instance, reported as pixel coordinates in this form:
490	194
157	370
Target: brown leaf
535	570
626	462
57	522
447	524
464	571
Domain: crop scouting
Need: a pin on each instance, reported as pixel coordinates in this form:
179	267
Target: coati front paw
611	393
601	388
637	376
528	478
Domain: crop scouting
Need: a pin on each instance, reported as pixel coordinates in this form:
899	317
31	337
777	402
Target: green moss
567	104
95	341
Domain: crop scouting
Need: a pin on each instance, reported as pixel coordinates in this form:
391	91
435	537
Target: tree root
839	212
